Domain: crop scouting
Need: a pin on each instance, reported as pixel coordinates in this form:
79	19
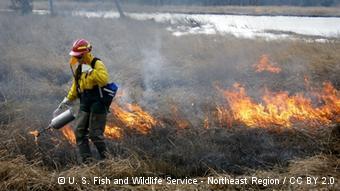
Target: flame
206	122
133	117
113	132
280	109
180	121
69	134
264	64
36	135
183	124
223	116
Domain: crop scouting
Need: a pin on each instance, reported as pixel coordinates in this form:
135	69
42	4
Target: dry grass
18	174
158	70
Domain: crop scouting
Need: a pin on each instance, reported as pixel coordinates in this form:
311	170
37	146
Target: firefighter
90	74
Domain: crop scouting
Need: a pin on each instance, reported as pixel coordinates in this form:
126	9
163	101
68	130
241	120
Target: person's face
80	59
76	61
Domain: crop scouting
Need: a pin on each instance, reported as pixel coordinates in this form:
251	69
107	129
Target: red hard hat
80	47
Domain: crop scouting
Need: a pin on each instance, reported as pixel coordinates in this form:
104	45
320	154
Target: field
178	92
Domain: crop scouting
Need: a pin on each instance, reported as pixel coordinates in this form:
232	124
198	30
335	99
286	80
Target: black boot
85	152
101	147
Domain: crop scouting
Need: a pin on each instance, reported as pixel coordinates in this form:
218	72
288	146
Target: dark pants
90	124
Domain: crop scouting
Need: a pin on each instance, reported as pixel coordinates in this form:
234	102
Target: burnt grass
168	151
182	73
193	153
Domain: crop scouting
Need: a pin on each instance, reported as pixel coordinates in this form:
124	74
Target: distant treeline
237	2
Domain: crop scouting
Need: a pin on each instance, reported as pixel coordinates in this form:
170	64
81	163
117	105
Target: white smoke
152	64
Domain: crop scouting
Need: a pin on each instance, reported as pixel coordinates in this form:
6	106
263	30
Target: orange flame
264	64
280	109
133	117
180	121
223	116
69	134
206	122
113	132
36	135
183	124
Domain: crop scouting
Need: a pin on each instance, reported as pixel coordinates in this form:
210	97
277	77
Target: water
248	26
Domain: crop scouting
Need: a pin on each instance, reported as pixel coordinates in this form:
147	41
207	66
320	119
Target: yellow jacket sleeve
99	74
72	94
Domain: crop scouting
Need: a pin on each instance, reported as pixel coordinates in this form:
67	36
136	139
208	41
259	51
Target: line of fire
274	110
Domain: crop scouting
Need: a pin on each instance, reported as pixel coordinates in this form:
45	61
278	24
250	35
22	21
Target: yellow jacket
98	76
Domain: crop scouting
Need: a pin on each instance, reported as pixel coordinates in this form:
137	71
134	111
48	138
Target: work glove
66	102
85	68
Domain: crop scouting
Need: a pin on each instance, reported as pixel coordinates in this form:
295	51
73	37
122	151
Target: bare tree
50	5
120	10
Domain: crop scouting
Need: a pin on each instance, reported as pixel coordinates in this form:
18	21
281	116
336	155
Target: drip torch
59	121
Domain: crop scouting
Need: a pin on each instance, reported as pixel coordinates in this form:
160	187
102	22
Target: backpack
107	92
